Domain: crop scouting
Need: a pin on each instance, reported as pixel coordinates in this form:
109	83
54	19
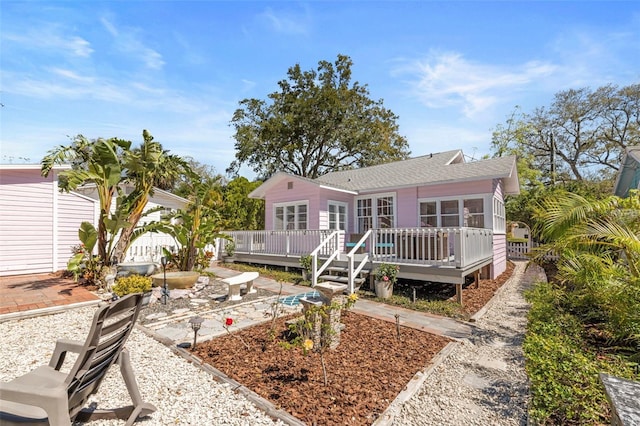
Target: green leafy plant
305	262
132	284
387	272
83	262
230	248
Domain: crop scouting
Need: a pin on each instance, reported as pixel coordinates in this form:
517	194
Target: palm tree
96	162
599	247
109	164
145	167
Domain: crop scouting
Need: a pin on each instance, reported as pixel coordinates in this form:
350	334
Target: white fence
148	247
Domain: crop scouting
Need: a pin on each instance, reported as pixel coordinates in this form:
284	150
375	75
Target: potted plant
305	264
229	250
386	276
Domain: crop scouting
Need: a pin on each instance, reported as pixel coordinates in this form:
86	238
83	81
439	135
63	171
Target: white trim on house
296	219
487	208
374	209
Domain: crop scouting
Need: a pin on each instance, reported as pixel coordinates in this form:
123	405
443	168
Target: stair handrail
351	272
335	235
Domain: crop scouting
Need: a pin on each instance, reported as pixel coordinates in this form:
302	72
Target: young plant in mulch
228	322
303	330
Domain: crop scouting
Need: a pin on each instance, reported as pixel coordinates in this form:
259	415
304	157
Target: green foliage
317	123
195	227
387	272
272	272
230	248
132	284
238	211
562	365
109	164
580	136
305	262
305	328
84	262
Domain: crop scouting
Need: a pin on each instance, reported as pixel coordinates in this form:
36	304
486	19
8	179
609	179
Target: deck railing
281	243
457	247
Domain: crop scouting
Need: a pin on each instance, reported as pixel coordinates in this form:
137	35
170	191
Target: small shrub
132	284
305	262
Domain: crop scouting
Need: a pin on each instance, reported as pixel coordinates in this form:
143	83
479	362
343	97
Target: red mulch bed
475	297
366	372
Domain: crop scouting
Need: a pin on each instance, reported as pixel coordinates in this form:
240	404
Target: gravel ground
182	393
482	381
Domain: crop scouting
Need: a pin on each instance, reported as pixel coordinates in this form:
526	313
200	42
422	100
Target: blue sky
451	71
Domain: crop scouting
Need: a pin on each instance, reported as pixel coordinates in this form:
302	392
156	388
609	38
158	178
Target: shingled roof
431	169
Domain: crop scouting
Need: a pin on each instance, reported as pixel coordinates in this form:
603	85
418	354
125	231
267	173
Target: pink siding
323	200
27	222
72	211
407	208
301	191
456	189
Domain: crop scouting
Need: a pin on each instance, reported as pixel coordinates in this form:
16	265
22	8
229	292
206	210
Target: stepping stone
156	315
199	301
475	381
181	311
494	363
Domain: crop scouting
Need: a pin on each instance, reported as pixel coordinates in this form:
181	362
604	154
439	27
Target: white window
375	212
290	216
499	216
337	215
452	213
474	213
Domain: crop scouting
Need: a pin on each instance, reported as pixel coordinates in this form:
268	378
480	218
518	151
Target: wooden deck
445	255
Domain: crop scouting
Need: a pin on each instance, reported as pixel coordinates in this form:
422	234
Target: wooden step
341	279
345	270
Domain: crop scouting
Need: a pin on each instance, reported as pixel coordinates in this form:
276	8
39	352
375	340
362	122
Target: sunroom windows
453	213
290	216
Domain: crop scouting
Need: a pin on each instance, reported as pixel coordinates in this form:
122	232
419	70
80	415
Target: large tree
318	122
581	136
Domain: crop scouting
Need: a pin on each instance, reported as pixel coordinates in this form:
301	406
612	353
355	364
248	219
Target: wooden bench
236	282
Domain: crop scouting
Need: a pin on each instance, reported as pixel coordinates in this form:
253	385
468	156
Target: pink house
39	224
437	216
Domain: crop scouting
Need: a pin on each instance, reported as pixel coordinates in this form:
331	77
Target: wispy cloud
128	42
286	21
447	79
51	39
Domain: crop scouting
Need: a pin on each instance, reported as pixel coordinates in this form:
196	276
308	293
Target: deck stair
339	274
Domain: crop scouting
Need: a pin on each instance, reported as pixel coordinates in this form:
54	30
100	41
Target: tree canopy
581	136
318	122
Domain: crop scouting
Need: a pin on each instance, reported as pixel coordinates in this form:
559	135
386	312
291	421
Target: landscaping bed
439	298
370	367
